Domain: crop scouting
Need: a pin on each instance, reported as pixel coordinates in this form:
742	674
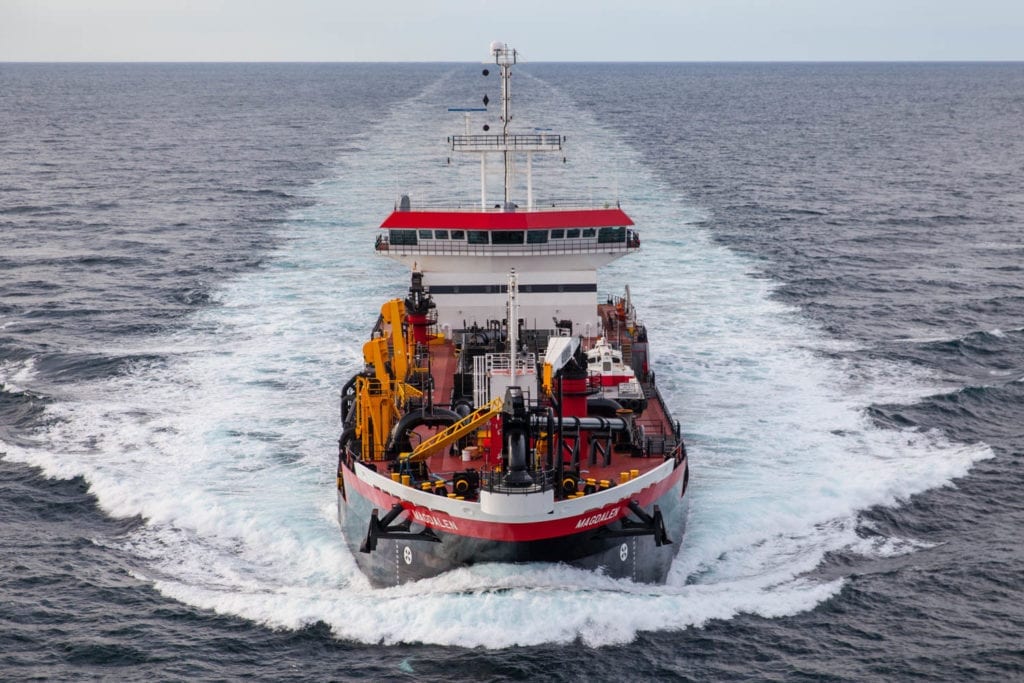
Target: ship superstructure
505	412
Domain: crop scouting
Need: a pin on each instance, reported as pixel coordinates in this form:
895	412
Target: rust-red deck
443	363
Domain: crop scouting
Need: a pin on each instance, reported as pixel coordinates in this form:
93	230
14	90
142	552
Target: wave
19	408
31	209
278	194
983	413
983	357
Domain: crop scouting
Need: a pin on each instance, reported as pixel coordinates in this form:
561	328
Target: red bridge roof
508	220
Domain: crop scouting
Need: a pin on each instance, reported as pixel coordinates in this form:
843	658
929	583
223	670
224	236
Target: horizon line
554	61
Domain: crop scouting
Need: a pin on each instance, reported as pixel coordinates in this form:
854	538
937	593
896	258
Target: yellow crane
381	397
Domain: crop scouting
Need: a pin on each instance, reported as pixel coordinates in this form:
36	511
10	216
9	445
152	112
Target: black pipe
517	460
591	423
347	398
605	407
399	441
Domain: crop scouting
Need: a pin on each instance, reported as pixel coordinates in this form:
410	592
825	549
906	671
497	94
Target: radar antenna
506	142
505	57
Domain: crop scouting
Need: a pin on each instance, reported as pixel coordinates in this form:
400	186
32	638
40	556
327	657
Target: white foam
227	447
15	376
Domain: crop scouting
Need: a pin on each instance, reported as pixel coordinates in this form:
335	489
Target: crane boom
455	432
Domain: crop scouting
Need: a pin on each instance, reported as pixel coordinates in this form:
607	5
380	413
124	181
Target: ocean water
831	274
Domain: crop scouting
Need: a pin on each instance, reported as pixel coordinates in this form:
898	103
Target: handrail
456	247
519	141
494	482
472	205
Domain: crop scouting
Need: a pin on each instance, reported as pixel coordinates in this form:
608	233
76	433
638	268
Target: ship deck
655	422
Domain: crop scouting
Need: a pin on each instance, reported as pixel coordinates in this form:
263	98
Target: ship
505	413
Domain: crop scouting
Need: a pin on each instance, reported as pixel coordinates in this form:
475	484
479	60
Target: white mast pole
529	180
513	325
483	181
505	57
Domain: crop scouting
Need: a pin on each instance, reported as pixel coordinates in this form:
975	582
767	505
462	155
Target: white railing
530	142
473	205
436	247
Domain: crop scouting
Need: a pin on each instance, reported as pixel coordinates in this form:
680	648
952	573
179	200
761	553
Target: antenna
513	324
507	143
505	57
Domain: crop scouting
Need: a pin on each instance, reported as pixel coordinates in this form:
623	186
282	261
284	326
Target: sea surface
832	273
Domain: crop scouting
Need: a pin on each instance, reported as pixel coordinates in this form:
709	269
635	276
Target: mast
507	142
505	57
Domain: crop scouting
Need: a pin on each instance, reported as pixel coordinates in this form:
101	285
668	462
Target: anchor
649	525
385	528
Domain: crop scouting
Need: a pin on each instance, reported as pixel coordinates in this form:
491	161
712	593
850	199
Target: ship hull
617	548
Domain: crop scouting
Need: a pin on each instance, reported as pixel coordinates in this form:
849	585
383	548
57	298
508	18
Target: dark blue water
883	202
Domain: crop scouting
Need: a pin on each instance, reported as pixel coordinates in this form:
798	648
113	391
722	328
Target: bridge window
458	234
479	237
507	237
402	237
589	232
536	236
426	234
572	234
557	234
440	234
609	235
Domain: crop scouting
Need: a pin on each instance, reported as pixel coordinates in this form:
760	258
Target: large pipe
591	424
518	475
399	439
348	398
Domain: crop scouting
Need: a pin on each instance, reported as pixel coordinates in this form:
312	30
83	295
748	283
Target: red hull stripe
510	220
512	531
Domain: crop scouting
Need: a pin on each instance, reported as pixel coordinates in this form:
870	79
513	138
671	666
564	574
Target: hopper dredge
505	413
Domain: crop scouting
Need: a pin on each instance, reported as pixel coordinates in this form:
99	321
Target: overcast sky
543	30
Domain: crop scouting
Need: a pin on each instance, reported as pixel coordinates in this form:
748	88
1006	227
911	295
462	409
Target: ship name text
434	521
597	519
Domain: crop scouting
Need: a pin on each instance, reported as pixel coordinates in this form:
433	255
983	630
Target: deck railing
459	248
530	142
494	482
472	205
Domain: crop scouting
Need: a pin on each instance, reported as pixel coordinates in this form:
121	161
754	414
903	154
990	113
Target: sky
543	30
